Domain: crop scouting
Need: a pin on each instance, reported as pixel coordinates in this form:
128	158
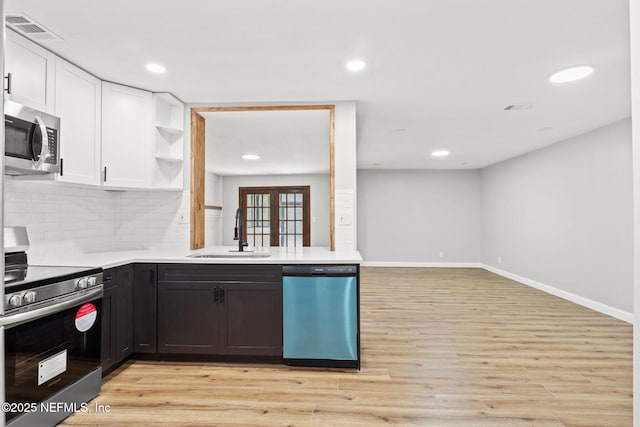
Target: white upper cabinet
32	70
110	135
127	145
78	98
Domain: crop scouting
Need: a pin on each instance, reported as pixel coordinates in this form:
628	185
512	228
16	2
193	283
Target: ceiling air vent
29	28
518	107
17	20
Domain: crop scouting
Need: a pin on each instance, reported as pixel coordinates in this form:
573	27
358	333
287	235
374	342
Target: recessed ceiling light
571	74
356	65
156	68
440	153
251	157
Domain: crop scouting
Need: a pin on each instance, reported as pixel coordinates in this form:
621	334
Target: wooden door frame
198	164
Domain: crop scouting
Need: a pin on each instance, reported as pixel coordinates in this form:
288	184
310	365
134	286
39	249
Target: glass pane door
276	216
290	227
258	206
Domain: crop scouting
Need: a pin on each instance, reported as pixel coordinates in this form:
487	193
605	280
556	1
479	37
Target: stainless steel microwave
32	141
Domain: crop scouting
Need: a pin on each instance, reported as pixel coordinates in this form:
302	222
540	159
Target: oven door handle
55	307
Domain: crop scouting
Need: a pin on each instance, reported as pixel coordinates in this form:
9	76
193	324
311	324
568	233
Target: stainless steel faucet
238	230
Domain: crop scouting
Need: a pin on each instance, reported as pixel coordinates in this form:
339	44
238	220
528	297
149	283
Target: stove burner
30	284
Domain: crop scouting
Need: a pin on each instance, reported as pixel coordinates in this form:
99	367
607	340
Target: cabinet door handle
61	167
8	88
221	295
151	276
215	295
105	174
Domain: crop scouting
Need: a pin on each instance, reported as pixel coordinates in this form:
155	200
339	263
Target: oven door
50	348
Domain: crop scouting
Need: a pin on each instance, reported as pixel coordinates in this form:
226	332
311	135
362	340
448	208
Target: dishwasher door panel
320	318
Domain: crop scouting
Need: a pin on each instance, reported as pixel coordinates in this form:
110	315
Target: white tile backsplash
150	220
62	217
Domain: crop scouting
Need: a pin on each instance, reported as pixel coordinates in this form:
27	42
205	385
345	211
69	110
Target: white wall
79	219
345	214
410	216
212	217
212	189
561	216
635	116
319	202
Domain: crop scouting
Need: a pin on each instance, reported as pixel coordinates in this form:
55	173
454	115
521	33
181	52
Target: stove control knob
29	297
15	300
91	281
82	283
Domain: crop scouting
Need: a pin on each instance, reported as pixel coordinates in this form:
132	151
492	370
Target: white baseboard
421	264
585	302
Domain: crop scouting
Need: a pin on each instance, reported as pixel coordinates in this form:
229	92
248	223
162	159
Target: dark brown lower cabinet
224	310
108	353
124	312
145	306
251	319
233	310
117	310
186	318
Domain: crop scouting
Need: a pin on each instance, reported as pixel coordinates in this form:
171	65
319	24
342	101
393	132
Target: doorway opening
197	205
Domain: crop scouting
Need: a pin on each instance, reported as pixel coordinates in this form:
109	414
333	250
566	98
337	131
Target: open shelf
170	130
169	144
169	159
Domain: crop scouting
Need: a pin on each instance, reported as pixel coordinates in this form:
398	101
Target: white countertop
307	255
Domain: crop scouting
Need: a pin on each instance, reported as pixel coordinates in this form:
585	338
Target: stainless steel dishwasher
321	316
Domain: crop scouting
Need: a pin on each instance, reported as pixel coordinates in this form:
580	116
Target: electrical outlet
441	254
499	260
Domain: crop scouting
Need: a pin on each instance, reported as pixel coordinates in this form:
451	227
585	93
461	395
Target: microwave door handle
44	151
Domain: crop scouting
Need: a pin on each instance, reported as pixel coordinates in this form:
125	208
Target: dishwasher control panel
319	270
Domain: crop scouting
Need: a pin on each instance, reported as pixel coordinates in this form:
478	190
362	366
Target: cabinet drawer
219	273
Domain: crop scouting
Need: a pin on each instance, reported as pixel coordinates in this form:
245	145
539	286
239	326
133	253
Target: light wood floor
440	347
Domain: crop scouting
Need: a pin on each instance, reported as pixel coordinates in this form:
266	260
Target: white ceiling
288	142
440	72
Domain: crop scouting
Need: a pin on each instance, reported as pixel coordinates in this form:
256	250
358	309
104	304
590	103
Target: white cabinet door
127	149
78	104
32	70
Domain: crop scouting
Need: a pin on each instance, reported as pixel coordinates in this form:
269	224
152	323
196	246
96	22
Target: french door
276	216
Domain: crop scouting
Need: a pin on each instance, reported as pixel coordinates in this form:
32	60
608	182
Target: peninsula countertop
223	255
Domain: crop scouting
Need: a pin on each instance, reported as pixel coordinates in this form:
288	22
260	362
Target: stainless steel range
52	330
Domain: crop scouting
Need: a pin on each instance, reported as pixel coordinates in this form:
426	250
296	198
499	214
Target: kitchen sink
232	255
